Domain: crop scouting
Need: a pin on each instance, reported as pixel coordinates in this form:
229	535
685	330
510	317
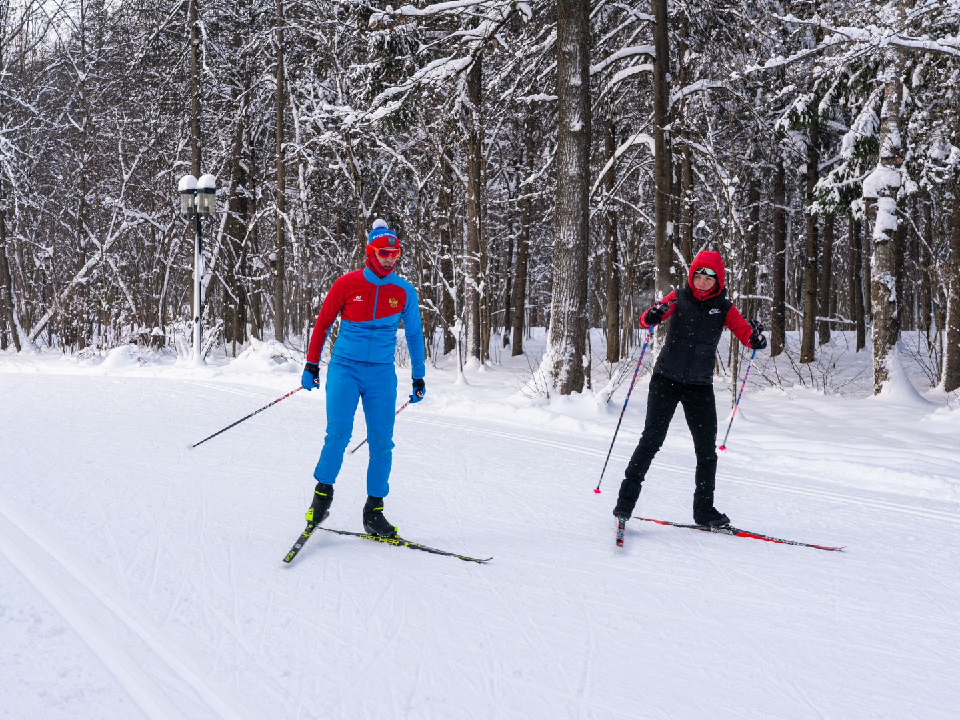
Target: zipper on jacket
376	295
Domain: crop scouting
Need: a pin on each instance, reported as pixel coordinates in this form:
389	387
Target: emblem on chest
393	302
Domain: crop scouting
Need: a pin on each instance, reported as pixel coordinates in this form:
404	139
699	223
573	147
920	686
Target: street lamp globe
188	191
207	194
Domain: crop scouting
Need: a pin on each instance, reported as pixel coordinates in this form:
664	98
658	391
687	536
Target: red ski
730	530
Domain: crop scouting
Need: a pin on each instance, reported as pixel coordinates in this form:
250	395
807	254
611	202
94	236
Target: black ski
298	545
400	542
737	532
621	526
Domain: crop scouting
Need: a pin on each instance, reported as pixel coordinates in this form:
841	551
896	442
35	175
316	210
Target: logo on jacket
358	298
394	302
714	311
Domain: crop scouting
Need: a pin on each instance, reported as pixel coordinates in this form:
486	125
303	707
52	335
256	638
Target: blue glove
311	376
419	390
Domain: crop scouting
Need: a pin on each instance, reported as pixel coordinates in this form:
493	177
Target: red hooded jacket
734	320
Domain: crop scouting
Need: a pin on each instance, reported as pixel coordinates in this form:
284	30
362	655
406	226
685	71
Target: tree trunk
6	282
925	270
856	283
523	246
195	147
568	327
472	260
686	162
885	180
751	306
826	277
448	286
610	243
7	309
235	232
508	284
951	353
812	241
662	164
778	327
279	314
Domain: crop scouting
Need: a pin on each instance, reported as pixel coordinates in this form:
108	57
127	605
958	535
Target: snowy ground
139	578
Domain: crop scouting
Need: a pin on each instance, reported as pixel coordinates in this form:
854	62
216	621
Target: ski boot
322	498
710	518
373	520
627	500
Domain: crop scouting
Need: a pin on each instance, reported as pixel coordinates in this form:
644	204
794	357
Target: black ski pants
700	410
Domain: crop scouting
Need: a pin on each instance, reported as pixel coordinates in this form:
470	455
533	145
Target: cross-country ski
737	532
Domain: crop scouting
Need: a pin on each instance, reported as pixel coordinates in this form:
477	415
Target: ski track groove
135	680
831	494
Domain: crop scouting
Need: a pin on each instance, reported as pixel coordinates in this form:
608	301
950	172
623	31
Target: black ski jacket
693	335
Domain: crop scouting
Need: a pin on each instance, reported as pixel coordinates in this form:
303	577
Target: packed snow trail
142	579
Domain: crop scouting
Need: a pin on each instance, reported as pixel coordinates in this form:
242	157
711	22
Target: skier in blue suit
371	302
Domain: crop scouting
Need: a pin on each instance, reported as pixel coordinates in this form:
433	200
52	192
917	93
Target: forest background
551	164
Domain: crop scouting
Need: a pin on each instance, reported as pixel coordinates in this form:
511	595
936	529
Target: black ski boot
373	520
704	512
322	498
627	500
711	518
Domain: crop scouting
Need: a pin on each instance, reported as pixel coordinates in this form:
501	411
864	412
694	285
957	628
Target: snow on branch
696	87
641	138
878	37
622	54
441	8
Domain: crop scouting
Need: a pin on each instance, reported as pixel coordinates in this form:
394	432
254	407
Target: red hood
707	259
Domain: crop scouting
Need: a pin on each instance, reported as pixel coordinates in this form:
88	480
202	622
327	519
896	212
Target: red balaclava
707	259
380	237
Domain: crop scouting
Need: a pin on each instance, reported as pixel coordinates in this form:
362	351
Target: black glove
419	390
311	376
654	315
757	340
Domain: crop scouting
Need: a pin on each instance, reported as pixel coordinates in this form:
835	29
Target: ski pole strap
247	417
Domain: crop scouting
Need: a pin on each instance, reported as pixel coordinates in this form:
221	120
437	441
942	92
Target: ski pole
626	400
723	445
361	444
247	417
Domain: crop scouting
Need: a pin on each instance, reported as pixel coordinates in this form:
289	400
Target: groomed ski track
143	579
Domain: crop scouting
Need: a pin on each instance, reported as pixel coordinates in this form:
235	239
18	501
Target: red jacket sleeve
670	298
332	305
738	326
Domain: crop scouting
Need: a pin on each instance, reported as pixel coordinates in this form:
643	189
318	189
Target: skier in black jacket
684	374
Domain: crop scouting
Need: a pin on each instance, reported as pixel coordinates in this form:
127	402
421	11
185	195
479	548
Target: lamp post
197	198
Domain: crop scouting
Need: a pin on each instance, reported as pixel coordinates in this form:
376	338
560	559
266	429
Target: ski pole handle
723	445
361	444
247	417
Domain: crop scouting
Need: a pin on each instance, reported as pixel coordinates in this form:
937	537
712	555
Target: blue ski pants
376	385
